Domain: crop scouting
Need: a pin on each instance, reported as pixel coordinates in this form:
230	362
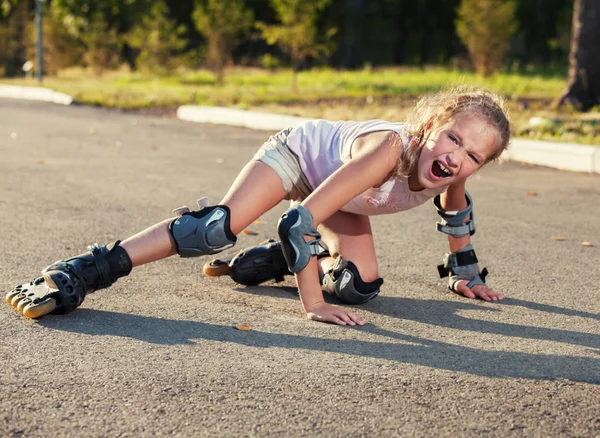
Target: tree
61	49
16	38
583	84
222	22
158	39
298	34
102	44
486	27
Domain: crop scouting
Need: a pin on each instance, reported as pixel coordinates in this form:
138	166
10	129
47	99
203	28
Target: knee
368	273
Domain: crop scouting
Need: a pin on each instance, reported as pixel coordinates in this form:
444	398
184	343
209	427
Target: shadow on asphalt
446	314
410	349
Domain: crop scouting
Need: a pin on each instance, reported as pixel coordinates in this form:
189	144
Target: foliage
222	22
375	32
486	27
102	44
297	34
6	7
61	49
15	40
159	40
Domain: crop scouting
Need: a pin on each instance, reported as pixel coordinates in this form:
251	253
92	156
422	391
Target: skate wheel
21	304
36	310
11	295
16	299
216	268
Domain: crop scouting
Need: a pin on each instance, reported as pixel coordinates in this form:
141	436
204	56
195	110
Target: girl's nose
456	157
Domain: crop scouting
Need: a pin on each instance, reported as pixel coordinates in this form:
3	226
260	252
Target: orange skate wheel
36	310
216	268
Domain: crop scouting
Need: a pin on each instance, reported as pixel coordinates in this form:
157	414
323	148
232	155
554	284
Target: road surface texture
158	355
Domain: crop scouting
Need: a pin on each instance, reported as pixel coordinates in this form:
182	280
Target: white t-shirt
323	147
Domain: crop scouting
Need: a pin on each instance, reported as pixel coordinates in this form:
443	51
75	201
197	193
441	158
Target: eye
474	158
453	139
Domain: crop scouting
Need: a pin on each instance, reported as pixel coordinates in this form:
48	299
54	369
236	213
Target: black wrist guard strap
462	265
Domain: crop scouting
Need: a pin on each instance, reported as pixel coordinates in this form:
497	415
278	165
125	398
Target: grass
387	93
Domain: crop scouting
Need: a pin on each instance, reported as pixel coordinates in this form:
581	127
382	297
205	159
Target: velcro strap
457	231
478	279
464	258
461	258
101	265
317	248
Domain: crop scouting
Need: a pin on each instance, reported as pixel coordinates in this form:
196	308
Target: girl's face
454	152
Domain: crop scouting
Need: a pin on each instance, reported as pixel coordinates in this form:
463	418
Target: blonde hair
438	109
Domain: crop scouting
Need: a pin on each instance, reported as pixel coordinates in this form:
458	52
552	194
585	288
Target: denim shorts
276	154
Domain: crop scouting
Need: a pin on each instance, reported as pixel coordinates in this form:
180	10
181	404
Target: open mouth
439	170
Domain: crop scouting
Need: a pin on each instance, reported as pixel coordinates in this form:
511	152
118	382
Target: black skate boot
64	284
253	265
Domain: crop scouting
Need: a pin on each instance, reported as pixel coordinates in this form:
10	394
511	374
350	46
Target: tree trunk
583	86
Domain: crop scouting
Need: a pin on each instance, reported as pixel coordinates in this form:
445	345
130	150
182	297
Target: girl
339	173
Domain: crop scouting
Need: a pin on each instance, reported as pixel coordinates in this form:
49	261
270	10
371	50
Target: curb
35	93
237	117
563	156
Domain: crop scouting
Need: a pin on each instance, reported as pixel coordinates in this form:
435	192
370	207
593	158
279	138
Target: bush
486	27
160	41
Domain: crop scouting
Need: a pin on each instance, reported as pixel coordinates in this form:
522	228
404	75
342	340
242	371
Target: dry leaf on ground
244	327
250	232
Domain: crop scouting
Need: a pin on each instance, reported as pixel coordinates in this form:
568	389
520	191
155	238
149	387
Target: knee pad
202	232
343	280
453	222
292	227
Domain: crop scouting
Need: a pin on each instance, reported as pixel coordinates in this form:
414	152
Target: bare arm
374	156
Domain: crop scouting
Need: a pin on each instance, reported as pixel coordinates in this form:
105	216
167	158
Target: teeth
446	171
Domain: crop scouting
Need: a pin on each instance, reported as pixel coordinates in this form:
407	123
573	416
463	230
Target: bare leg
152	244
256	190
350	235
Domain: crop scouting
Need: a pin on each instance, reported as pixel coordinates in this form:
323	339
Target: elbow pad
453	222
292	227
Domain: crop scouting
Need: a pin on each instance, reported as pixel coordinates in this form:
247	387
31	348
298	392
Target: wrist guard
462	265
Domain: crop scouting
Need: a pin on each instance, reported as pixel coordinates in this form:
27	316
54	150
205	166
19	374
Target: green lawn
371	93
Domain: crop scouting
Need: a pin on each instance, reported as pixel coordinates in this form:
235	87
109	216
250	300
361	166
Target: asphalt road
158	355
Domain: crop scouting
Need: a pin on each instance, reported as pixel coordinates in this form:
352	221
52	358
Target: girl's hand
480	290
323	312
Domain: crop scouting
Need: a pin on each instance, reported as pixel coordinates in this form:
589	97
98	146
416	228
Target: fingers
491	293
481	291
354	318
336	315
